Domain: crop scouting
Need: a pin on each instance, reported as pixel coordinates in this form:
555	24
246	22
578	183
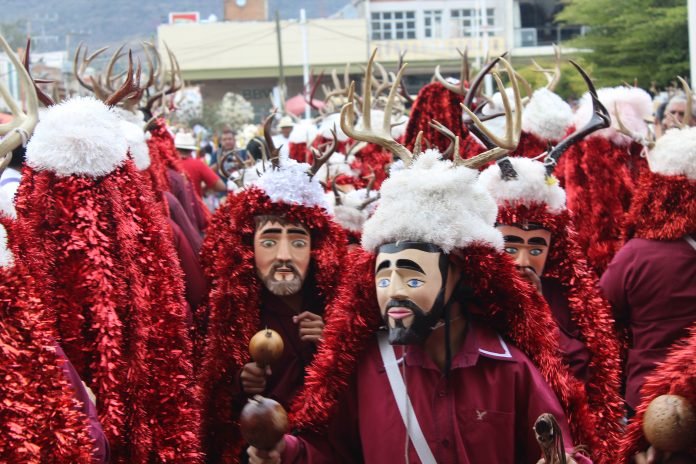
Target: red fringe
511	305
675	376
38	420
232	309
105	255
599	181
590	311
663	208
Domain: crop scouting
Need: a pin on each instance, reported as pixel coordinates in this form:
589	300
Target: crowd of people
447	277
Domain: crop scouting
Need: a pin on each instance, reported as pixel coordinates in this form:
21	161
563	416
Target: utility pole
281	71
305	63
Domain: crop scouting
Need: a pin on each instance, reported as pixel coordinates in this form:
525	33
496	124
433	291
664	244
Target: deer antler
130	86
273	151
454	140
320	158
43	98
337	195
553	76
79	71
689	102
367	134
459	89
478	80
402	86
600	119
18	131
513	125
314	85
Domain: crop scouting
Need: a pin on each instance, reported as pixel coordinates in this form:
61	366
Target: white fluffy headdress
6	256
136	144
547	116
435	202
290	183
634	106
328	123
80	136
305	131
674	154
349	214
531	186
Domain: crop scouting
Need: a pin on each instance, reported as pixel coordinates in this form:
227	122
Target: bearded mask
413	289
282	253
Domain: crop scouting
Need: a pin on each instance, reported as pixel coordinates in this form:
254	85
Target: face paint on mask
412	289
529	248
282	254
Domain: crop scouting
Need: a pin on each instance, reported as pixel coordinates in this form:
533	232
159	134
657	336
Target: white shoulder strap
690	241
403	402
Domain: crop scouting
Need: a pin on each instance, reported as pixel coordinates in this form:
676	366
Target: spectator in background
197	171
282	140
674	113
256	147
227	145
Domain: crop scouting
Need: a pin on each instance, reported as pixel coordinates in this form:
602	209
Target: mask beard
422	325
283	287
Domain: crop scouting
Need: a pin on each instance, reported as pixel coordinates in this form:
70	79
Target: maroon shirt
651	285
194	280
181	189
287	373
483	412
101	452
178	215
575	354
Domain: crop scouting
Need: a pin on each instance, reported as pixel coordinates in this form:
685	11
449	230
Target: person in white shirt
282	139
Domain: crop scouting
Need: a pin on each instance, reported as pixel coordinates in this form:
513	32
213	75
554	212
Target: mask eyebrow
537	241
271	231
408	264
513	239
383	265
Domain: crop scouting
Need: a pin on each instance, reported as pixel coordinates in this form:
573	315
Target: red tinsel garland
39	422
589	310
663	208
530	146
233	304
511	305
598	177
300	153
104	253
372	158
675	376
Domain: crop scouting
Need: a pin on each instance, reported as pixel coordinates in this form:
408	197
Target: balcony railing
540	36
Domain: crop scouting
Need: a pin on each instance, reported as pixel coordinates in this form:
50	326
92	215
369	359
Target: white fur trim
547	116
434	202
634	105
6	256
7	206
675	154
304	131
291	184
328	123
399	131
137	145
135	117
80	136
530	187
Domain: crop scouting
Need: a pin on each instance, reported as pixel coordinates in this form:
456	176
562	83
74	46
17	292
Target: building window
390	25
463	22
433	24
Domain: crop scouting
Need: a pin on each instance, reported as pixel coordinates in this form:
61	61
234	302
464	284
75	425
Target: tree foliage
632	39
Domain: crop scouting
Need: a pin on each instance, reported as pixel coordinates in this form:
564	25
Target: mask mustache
403	304
522	268
287	264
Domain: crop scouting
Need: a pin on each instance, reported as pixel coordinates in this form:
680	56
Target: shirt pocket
488	435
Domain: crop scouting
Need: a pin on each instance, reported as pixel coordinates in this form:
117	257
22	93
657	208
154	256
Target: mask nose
397	287
523	259
283	251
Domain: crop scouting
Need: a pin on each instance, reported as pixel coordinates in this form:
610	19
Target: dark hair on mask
264	219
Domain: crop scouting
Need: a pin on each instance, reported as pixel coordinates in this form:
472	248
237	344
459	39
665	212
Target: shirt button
445	443
441	393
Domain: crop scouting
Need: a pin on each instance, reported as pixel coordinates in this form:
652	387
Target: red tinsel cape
372	158
299	152
588	309
675	376
511	305
598	177
233	305
663	208
434	101
38	419
530	146
104	255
